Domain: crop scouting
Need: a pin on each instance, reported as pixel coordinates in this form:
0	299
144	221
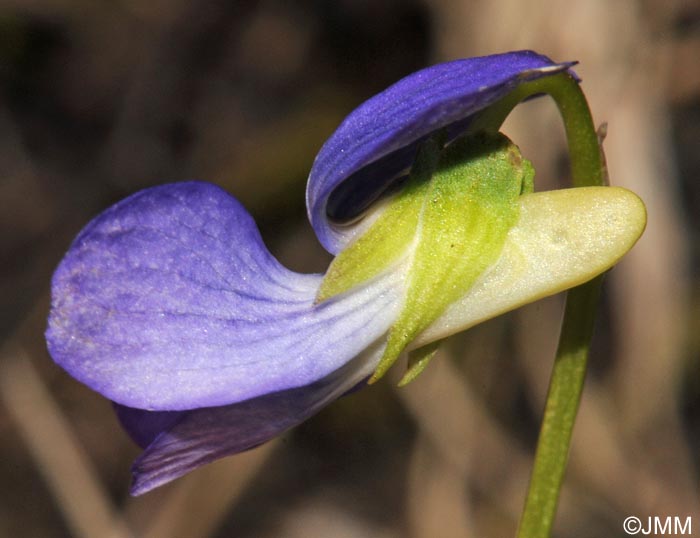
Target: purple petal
201	436
169	301
144	426
378	140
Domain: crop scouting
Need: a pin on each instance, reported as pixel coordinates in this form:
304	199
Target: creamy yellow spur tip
563	238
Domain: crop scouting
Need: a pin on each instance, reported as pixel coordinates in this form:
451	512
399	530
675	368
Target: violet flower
169	304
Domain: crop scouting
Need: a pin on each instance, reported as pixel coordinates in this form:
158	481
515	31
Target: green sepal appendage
389	238
448	225
418	360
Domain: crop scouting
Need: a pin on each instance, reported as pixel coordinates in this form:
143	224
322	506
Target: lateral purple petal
203	435
144	426
377	142
169	301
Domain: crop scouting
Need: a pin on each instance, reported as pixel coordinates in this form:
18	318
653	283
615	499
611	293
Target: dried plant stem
87	509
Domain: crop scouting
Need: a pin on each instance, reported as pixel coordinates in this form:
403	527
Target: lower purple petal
201	436
170	301
144	426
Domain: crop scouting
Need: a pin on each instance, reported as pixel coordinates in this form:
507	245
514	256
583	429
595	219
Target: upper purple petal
169	300
378	140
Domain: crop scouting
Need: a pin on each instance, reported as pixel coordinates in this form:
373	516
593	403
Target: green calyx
444	229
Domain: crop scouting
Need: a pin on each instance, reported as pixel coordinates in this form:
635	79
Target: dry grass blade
467	440
209	493
437	496
60	458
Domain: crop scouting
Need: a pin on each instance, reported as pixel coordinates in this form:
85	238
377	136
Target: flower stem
561	407
569	371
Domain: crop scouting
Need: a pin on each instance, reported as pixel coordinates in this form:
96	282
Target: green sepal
389	237
418	360
444	228
466	213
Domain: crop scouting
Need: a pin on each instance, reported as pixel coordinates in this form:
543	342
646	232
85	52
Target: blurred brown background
99	99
